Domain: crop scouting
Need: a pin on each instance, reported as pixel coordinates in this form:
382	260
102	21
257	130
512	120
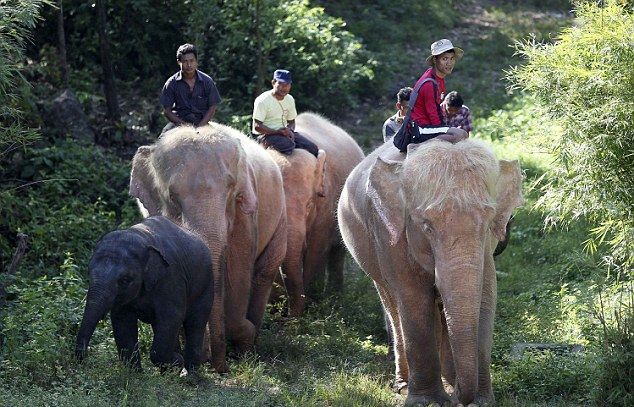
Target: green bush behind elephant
312	187
219	183
424	227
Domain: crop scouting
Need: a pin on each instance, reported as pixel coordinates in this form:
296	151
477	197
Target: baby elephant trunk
98	302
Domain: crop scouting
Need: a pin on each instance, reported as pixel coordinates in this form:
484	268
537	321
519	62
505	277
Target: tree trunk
61	45
112	103
259	64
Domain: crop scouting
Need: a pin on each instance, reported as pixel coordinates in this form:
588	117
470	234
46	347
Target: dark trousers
286	146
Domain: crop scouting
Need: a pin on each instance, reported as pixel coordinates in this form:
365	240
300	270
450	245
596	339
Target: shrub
585	79
615	386
17	19
74	195
249	40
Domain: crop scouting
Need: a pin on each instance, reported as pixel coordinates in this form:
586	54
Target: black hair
186	49
453	99
403	94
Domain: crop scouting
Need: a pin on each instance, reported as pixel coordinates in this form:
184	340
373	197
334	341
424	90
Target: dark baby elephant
155	272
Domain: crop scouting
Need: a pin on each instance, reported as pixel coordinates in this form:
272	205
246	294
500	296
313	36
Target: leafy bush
615	385
17	19
64	197
38	331
585	79
243	42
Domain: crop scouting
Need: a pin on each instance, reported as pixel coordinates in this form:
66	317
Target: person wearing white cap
426	111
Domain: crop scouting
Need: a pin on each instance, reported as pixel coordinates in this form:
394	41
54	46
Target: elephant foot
220	366
400	387
296	306
427	401
481	400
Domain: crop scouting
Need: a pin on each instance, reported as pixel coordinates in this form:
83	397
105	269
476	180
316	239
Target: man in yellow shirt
274	116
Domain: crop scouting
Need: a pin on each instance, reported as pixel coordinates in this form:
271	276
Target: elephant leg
266	268
239	329
485	332
336	260
294	283
195	327
126	336
401	373
416	301
166	328
315	260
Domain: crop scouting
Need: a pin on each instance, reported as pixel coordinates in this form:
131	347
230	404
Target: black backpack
409	133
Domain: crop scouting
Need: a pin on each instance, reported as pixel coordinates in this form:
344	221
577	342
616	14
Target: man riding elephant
274	116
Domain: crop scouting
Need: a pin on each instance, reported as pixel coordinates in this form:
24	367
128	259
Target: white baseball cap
441	46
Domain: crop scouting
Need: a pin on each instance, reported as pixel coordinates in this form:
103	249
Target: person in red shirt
426	111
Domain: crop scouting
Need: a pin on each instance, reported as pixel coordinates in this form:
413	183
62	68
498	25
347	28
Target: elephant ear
384	192
246	198
156	267
320	174
509	196
142	185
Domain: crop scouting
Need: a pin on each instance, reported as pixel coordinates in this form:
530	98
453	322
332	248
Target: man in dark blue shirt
189	96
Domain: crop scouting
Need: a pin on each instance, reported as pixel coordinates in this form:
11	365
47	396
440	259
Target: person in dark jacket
189	96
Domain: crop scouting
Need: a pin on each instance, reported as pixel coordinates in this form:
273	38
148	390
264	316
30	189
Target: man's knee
302	142
280	143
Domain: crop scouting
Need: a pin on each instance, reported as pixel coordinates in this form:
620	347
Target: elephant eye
427	227
125	280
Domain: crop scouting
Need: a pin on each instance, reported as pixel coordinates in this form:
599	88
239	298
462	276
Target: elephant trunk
459	282
98	302
212	226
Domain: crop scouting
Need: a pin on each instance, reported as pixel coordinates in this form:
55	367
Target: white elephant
424	226
217	182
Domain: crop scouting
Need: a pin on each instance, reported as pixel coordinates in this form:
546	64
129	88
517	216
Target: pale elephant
424	226
312	187
219	183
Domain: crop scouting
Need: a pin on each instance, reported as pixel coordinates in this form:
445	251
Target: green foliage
17	20
64	197
144	36
244	41
37	332
586	81
616	316
547	376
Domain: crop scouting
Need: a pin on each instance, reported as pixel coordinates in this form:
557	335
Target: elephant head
451	204
124	265
197	178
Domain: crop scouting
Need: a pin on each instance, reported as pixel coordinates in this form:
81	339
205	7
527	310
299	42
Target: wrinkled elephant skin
219	183
157	272
424	226
312	187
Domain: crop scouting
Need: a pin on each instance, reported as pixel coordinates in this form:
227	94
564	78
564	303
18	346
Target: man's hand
287	132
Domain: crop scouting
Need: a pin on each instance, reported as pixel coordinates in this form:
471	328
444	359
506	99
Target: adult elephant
424	226
312	187
219	183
